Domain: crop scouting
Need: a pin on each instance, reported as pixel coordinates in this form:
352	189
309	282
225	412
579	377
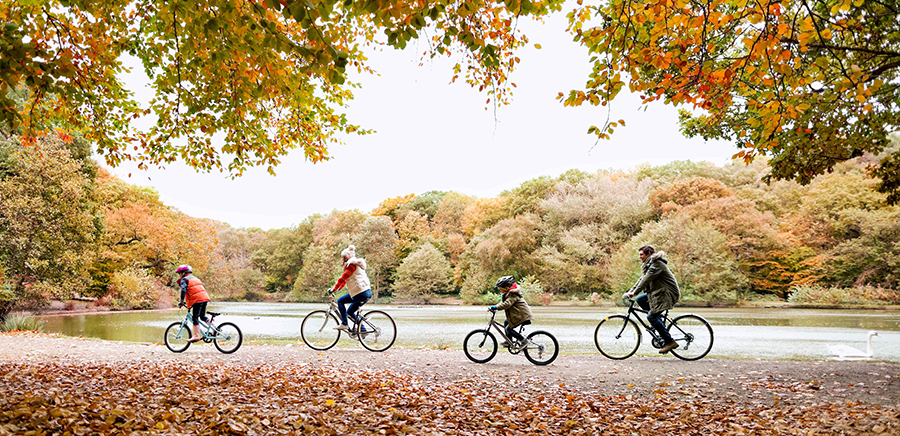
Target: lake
739	333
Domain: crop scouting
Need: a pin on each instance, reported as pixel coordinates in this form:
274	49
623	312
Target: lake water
741	333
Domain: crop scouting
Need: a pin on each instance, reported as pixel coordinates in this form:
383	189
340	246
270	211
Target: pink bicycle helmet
184	268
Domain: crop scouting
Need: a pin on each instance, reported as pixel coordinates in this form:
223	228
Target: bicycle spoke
176	337
228	337
694	337
542	348
480	346
617	337
377	331
318	330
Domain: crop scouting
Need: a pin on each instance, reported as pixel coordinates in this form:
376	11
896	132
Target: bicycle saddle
214	314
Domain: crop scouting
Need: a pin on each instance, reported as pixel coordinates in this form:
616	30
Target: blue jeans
355	303
656	319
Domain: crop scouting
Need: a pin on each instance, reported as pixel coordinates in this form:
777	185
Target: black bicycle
539	347
618	336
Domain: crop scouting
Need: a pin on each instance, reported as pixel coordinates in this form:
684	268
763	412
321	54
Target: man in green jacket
661	292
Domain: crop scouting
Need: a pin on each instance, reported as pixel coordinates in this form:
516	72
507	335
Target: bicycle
480	346
318	329
618	336
227	337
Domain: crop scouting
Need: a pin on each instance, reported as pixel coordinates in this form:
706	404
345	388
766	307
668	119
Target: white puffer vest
359	280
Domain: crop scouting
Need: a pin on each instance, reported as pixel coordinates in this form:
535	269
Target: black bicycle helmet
505	282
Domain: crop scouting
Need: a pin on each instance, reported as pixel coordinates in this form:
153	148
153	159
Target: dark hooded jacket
659	283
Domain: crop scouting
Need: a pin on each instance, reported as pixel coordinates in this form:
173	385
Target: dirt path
731	381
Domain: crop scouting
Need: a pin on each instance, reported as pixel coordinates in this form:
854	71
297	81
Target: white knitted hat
349	251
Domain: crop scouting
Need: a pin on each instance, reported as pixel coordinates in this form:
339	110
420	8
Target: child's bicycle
375	330
226	337
540	347
618	336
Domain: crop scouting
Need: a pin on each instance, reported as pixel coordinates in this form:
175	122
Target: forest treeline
69	228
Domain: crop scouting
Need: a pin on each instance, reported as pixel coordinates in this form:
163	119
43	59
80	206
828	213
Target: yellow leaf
329	402
537	46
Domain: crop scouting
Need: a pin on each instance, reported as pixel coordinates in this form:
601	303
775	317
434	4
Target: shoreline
88	308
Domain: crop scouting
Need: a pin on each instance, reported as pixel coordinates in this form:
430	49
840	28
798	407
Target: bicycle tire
318	330
691	331
480	346
228	338
174	342
538	351
617	337
384	334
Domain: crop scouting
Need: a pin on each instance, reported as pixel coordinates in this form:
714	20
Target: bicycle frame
333	311
500	329
647	326
207	329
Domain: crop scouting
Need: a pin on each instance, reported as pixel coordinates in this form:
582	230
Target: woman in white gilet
357	283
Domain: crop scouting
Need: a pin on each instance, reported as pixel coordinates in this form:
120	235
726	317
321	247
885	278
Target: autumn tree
504	249
263	77
376	241
697	253
526	197
321	268
448	217
393	208
808	83
481	214
423	274
426	204
48	222
687	191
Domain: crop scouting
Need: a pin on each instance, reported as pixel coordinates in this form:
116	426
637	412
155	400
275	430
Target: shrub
820	295
531	290
22	322
423	274
132	288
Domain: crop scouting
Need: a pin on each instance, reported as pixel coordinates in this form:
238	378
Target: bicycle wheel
542	348
480	346
228	337
694	337
177	337
377	331
318	330
617	337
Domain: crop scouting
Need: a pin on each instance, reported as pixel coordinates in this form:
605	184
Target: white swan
845	352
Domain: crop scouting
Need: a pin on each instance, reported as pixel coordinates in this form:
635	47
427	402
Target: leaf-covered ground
110	388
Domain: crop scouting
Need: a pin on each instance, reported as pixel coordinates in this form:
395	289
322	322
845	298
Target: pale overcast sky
433	135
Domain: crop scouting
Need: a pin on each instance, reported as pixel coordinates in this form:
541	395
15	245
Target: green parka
659	283
517	310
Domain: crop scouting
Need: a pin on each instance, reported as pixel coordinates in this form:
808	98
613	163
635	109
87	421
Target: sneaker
344	327
669	347
519	346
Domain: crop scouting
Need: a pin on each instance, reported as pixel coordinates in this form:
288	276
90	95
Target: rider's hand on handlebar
628	295
492	309
181	304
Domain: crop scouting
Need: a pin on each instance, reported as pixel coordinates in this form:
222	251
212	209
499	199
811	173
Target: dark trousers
656	319
511	333
355	303
198	312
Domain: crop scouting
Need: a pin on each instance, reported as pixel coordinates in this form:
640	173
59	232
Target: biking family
658	284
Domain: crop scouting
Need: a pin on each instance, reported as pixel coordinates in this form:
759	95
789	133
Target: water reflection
744	333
